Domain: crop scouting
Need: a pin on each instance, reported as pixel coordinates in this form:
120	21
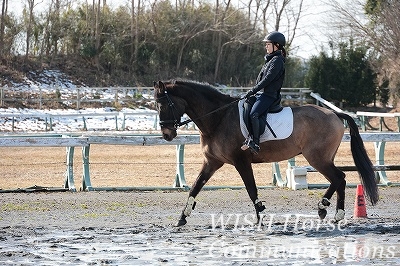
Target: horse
317	134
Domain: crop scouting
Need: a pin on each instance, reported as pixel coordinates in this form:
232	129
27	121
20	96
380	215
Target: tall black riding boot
255	144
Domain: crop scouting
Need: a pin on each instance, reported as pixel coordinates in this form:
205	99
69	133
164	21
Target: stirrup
246	144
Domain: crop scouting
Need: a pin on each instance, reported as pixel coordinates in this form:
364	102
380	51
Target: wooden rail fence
75	97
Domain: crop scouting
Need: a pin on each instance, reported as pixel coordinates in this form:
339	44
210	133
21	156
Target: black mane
209	91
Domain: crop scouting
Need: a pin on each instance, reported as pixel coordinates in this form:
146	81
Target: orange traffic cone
360	211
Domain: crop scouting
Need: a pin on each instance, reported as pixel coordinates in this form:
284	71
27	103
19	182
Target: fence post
123	121
380	160
78	105
180	169
51	122
2	96
277	179
276	172
155	121
363	123
40	98
84	123
69	174
398	123
86	184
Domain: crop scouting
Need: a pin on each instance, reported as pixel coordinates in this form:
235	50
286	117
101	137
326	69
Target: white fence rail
143	140
364	116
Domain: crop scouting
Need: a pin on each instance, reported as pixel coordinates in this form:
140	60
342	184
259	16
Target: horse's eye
161	107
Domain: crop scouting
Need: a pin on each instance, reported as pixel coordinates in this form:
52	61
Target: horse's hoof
322	213
339	215
181	222
259	221
259	206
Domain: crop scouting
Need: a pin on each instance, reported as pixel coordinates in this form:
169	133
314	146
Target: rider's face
269	47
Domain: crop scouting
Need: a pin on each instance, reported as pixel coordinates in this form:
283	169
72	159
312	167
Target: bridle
176	123
171	105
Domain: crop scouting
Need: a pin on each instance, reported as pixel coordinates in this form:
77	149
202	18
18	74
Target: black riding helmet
275	37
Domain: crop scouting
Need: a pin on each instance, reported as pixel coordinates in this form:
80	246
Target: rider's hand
249	94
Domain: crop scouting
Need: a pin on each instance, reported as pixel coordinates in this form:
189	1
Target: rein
187	121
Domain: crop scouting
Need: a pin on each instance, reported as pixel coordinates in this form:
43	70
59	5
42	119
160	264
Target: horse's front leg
208	169
246	172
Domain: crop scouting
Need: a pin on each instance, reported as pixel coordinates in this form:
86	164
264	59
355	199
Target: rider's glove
249	94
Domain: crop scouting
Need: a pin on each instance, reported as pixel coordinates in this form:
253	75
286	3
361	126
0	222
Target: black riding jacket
271	75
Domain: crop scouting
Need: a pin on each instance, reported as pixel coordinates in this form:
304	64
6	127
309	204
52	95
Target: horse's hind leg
340	192
208	169
338	185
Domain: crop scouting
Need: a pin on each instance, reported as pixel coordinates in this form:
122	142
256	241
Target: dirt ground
137	228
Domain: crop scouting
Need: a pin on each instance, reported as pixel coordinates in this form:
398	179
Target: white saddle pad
281	123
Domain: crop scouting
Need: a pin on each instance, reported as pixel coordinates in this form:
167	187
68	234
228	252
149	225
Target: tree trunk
220	25
45	42
97	35
132	59
135	35
2	26
56	28
31	4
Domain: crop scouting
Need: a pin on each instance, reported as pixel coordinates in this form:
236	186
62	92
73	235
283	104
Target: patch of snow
58	120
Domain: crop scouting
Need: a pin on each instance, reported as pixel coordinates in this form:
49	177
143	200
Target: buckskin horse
317	134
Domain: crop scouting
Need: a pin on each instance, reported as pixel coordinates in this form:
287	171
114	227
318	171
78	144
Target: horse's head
170	110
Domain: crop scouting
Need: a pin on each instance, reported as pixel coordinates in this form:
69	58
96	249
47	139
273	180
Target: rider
270	80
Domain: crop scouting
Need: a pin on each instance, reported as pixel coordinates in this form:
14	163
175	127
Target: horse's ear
160	86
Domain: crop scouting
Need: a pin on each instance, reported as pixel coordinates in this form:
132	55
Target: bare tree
380	31
293	16
264	16
4	8
31	5
278	15
219	24
46	38
135	15
56	31
97	34
384	36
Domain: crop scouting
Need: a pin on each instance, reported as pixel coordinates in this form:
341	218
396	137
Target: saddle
276	107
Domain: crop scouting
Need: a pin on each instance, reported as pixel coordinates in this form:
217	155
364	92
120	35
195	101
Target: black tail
361	160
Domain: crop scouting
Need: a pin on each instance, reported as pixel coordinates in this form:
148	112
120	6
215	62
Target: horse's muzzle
168	134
